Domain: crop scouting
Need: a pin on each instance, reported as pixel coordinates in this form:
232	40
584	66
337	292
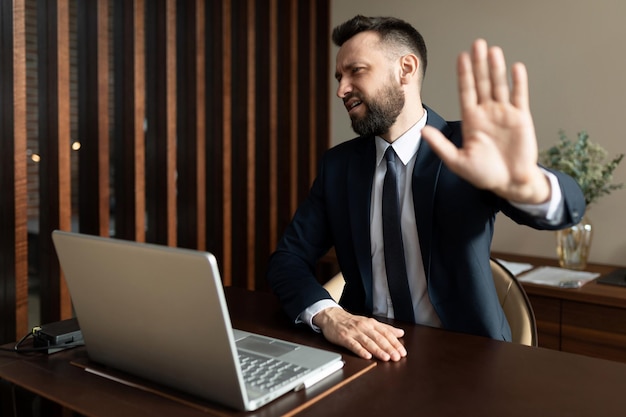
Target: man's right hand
364	336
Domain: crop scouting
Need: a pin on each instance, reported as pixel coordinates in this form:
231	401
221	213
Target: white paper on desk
515	268
557	277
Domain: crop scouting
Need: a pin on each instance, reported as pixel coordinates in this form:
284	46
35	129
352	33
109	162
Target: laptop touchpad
265	346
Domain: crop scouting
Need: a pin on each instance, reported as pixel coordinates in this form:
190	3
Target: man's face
368	85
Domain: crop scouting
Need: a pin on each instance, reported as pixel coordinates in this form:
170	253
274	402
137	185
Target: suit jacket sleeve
573	210
291	269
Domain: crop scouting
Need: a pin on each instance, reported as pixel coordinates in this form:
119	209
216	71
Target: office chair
515	304
334	286
513	299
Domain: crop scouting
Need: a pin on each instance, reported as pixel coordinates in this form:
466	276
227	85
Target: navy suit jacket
455	222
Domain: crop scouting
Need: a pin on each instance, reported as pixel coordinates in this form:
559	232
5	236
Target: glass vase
573	244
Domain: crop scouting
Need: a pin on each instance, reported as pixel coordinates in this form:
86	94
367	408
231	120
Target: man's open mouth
351	104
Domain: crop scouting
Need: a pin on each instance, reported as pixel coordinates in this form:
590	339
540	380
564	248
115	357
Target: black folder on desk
617	277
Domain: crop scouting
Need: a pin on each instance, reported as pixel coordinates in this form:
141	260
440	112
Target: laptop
617	277
160	313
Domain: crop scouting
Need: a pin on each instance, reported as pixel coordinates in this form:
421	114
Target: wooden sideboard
590	320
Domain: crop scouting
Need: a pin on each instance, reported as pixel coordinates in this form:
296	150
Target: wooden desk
448	374
590	320
445	374
61	380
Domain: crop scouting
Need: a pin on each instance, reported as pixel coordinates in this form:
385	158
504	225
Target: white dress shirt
406	147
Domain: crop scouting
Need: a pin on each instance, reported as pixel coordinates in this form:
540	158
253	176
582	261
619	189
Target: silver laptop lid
153	311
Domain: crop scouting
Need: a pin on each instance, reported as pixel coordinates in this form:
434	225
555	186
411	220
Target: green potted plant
586	162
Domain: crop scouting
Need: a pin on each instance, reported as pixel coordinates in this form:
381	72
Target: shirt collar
406	145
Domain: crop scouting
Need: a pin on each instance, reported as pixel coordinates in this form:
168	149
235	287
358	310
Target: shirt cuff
307	315
552	210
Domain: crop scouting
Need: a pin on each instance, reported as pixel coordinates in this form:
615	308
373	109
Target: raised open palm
499	150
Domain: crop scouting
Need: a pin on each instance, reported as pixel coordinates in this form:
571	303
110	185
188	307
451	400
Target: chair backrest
515	304
334	286
513	299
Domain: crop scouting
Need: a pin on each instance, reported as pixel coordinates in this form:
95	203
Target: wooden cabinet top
591	292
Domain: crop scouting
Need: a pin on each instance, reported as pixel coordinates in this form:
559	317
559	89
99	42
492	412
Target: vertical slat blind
251	138
53	28
129	113
200	125
13	195
161	122
93	116
191	162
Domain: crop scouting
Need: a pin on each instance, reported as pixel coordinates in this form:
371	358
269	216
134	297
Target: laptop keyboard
267	374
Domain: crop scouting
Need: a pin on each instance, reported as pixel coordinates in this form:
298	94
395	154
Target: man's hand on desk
364	336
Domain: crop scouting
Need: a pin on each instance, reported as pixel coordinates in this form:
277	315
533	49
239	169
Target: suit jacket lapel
425	178
361	174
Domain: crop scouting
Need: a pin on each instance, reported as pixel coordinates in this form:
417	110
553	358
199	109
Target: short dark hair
390	29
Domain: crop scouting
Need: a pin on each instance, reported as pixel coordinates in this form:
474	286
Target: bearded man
410	204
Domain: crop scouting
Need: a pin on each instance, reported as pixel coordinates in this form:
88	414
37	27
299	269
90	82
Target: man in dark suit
453	178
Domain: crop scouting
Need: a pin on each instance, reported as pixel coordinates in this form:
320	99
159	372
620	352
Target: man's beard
381	111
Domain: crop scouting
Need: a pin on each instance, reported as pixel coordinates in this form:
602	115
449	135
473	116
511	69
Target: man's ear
409	68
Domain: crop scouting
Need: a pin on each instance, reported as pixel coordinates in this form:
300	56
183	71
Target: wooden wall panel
226	173
191	144
264	180
219	114
54	146
293	103
13	198
286	93
324	66
235	263
271	139
218	109
252	135
93	116
129	115
161	115
272	83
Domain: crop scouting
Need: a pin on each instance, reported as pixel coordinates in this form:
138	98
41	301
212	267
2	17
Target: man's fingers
467	88
381	346
480	69
381	340
482	75
520	87
364	336
497	70
358	348
388	339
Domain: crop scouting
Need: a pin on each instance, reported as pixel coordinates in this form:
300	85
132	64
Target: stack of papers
558	277
515	268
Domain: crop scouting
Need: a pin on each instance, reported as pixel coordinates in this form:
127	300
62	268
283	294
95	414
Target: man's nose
343	89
